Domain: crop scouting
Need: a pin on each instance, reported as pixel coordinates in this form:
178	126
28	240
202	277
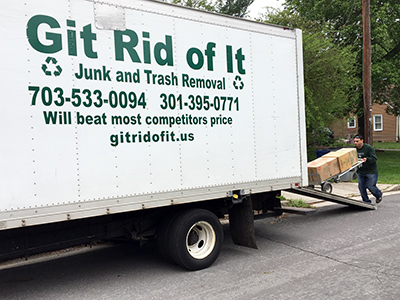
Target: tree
236	8
199	4
330	76
344	19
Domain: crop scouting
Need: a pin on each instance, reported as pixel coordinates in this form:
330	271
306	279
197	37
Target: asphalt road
337	253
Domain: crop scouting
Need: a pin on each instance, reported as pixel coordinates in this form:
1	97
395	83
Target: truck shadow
77	266
74	266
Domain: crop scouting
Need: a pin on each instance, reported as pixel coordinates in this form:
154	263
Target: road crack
376	272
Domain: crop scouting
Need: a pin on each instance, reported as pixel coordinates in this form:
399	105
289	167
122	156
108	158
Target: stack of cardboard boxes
331	164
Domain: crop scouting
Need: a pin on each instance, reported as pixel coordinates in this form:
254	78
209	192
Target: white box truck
143	119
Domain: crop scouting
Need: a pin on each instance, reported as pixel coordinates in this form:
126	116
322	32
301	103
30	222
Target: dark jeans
368	181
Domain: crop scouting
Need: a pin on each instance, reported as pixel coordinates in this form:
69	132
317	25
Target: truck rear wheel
163	232
195	239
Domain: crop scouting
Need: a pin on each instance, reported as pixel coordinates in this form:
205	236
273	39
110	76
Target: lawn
385	145
388	166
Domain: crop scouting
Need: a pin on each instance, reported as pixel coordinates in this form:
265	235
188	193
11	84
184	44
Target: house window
378	123
351	122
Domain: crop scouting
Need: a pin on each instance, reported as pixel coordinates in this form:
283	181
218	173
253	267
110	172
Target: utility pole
367	72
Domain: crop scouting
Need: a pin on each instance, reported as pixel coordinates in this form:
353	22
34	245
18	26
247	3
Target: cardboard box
343	159
325	167
352	154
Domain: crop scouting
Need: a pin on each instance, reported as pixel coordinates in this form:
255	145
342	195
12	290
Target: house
386	128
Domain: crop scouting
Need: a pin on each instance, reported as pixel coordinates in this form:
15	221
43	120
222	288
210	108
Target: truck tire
163	231
195	239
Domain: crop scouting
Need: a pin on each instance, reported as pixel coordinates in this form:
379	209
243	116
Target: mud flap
241	223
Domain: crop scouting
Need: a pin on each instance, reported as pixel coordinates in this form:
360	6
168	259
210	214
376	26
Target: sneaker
378	200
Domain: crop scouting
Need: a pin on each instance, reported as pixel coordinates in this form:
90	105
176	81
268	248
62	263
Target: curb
393	188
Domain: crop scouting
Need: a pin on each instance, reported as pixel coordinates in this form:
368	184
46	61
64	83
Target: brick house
386	128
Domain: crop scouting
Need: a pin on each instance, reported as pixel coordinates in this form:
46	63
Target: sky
258	6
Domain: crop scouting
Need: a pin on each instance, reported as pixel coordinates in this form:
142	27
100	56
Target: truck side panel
117	107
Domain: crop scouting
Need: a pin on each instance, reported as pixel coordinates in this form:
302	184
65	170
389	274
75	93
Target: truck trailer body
138	115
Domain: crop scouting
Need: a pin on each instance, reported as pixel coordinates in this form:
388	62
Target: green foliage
298	203
294	202
281	198
344	22
330	75
330	80
236	8
199	4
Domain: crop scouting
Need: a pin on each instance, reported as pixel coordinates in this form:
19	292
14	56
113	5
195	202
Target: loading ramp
310	192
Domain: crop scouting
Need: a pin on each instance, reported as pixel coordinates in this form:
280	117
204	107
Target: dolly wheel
327	187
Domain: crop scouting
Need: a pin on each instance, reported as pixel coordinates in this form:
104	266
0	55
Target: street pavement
345	189
339	253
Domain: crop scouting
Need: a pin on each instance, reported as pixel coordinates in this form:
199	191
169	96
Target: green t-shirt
370	166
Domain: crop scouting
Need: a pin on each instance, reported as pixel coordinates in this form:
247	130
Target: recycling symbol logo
51	67
238	83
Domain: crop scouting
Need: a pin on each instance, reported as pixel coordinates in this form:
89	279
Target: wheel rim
328	188
200	240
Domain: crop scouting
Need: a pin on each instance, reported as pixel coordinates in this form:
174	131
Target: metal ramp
310	192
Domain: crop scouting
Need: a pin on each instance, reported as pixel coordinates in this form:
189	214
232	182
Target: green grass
298	203
295	203
388	166
386	145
